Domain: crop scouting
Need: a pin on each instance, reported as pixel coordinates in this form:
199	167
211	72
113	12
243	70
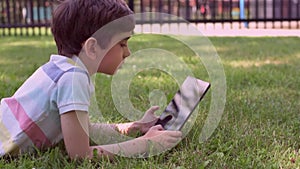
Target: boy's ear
90	48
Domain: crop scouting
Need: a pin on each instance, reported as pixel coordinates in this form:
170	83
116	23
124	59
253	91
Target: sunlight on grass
4	61
249	64
21	43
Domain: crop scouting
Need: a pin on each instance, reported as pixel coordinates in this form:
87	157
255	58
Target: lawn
260	125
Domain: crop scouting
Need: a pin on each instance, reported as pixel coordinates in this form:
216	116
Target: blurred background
33	17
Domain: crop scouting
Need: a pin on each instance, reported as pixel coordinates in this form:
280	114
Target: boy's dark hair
74	21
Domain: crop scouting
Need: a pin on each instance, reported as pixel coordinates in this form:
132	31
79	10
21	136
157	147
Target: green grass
260	127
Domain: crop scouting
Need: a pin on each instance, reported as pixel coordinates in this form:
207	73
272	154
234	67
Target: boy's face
115	57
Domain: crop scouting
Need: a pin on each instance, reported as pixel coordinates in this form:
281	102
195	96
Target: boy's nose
127	53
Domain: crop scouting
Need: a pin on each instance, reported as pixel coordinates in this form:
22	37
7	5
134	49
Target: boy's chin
118	68
111	72
108	73
116	71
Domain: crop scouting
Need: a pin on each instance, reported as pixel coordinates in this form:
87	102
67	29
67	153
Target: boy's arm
104	128
75	131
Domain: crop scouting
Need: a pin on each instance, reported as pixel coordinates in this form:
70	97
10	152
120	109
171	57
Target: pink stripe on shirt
28	126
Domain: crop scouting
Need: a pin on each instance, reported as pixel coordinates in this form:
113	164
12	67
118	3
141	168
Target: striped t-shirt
31	117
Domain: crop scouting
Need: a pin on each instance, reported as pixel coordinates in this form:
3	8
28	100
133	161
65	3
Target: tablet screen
183	103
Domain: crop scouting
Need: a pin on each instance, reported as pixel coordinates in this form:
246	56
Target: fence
32	17
25	17
245	13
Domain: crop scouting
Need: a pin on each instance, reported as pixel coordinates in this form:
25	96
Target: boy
91	36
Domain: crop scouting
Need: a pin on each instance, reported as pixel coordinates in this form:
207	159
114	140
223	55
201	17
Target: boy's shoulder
59	65
65	63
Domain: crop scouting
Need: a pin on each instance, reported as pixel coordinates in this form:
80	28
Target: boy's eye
123	44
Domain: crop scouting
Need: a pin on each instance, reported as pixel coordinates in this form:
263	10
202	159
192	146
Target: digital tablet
183	103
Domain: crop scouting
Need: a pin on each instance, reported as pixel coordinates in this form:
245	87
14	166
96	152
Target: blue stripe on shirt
55	73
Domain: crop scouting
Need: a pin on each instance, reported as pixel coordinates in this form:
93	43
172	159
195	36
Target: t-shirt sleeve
73	92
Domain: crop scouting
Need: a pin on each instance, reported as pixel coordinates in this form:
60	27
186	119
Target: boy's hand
161	140
148	120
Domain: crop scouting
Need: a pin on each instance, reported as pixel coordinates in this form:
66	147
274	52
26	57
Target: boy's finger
174	140
175	133
158	127
153	109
